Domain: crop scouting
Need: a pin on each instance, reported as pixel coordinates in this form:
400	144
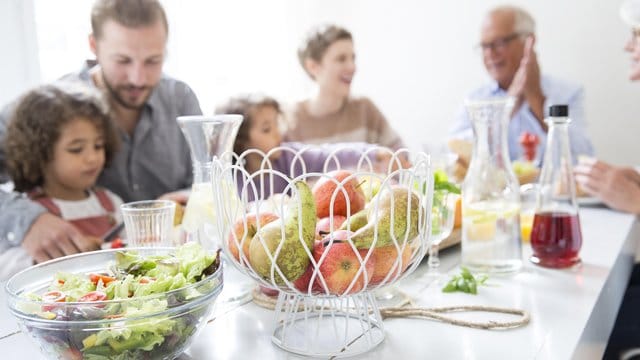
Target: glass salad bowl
146	303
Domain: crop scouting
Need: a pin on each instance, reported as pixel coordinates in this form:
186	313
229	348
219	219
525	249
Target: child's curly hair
244	105
34	128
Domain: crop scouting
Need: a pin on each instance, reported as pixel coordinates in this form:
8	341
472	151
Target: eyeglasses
498	44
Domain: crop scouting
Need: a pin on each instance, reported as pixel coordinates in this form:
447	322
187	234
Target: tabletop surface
572	311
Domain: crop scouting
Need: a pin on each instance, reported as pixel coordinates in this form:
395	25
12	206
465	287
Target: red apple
385	259
243	237
340	265
323	226
302	283
325	187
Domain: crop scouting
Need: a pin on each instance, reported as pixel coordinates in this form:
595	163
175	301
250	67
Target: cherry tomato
117	243
92	296
527	138
52	297
95	278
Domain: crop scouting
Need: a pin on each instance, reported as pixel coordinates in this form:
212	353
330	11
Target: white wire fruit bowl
325	236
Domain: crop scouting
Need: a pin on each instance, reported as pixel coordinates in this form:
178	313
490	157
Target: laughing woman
332	115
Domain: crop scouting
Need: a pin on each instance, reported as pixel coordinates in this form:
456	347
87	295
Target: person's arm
616	186
44	236
18	213
526	86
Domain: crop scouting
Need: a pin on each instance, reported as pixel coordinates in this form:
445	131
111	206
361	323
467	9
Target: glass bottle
209	137
555	236
490	193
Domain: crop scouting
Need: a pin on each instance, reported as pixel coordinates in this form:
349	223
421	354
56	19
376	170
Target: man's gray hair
523	22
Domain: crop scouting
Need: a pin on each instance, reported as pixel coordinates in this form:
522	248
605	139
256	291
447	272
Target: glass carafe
490	193
209	137
555	236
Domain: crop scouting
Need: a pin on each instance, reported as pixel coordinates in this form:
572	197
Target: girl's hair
318	40
35	125
245	105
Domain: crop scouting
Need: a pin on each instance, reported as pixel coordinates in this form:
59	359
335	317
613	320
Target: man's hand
180	196
50	237
525	86
616	186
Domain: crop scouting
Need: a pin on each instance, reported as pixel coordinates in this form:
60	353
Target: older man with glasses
507	48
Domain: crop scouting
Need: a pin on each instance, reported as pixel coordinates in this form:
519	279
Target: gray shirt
156	159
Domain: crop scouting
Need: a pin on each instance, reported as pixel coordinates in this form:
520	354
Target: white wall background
415	58
19	66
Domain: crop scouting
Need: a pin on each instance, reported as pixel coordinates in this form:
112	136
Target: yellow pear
405	222
286	247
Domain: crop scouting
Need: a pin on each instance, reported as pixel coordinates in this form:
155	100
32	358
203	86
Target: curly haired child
58	140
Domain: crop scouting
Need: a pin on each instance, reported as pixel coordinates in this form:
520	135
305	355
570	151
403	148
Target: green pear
403	229
299	232
357	221
370	185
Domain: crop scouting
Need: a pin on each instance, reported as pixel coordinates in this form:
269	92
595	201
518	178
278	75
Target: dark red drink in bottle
555	234
556	239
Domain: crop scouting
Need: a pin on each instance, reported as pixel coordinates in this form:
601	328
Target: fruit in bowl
387	263
140	303
336	182
340	268
329	224
244	230
286	241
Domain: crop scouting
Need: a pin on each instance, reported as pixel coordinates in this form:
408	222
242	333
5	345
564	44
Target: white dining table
572	310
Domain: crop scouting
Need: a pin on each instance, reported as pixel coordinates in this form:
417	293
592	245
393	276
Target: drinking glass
148	223
528	194
442	217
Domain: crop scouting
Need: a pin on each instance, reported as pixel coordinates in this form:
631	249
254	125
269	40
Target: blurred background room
416	60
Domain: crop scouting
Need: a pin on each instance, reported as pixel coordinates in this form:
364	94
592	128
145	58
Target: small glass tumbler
149	223
528	193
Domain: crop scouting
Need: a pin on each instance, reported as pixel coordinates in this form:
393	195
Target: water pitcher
490	193
209	138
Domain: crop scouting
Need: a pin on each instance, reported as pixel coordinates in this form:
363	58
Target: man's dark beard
114	94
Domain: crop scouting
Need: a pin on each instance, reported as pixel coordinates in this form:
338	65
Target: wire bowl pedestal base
328	326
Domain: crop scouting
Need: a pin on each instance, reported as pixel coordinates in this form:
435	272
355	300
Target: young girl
58	141
260	130
332	115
